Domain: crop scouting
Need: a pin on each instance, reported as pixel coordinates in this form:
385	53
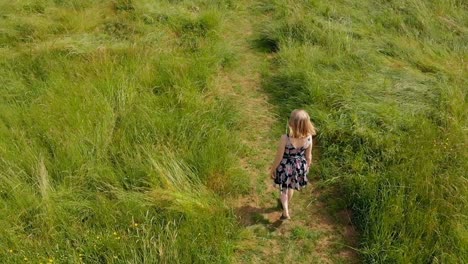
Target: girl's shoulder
283	140
309	141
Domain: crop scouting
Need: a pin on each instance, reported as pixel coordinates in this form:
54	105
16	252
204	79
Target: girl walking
293	158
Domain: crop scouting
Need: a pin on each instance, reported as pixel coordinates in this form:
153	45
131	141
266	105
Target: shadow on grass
265	44
249	215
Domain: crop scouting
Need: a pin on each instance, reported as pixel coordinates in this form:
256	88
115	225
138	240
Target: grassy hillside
117	144
385	82
114	143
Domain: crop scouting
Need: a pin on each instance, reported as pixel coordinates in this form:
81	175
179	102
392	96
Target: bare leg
290	194
284	202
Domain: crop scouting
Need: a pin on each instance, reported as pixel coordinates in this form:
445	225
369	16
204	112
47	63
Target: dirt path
314	235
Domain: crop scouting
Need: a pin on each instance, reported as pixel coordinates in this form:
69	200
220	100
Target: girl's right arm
309	154
279	156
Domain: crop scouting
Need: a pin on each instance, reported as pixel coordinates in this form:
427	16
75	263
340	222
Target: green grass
385	83
299	233
115	146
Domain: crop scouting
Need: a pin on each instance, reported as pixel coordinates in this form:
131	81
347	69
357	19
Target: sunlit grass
114	145
385	82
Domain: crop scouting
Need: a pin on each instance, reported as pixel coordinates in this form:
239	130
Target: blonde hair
300	125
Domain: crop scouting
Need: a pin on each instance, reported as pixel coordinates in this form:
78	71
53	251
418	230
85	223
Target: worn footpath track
315	234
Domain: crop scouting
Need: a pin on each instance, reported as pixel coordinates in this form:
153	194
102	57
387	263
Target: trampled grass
385	82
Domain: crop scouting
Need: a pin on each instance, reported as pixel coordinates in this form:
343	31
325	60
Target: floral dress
292	170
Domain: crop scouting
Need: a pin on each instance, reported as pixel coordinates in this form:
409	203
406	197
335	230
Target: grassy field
115	146
385	82
118	145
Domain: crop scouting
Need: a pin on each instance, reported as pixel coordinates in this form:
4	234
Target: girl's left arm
279	156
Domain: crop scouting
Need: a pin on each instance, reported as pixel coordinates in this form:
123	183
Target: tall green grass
114	145
385	83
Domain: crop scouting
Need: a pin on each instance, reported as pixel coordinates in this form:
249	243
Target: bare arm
309	154
278	156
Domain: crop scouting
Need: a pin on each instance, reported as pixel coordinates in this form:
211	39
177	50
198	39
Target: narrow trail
313	235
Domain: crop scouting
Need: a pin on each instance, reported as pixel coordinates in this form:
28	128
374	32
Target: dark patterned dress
292	171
